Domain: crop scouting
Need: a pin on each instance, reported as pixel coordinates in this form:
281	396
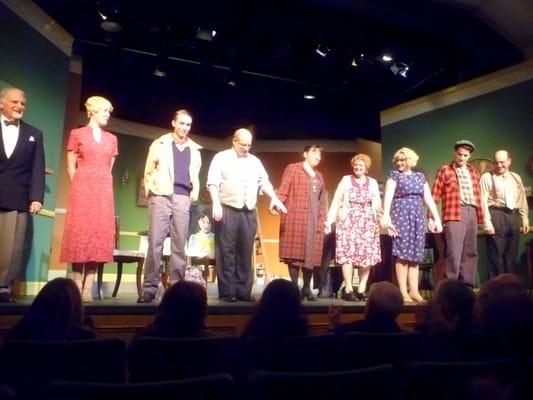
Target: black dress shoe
361	296
308	295
349	296
248	299
146	297
228	299
5	297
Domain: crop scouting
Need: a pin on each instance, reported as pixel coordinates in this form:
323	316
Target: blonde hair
410	156
95	103
361	157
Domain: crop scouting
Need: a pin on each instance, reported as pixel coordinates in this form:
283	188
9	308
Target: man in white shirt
235	176
505	208
21	184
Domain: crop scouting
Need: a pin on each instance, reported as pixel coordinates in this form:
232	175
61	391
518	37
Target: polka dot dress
407	215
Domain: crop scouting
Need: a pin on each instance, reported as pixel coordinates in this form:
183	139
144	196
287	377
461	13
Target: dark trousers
461	246
234	243
502	247
13	226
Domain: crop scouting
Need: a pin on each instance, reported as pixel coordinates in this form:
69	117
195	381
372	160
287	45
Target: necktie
8	123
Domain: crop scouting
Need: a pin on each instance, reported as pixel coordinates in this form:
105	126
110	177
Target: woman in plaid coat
301	234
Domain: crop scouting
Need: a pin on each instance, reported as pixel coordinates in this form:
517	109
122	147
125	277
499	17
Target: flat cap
465	143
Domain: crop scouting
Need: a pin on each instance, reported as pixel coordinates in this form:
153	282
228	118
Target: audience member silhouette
181	313
449	331
279	313
383	306
55	314
504	313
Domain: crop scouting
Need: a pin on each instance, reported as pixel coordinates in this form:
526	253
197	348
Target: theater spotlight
206	35
400	68
109	14
322	50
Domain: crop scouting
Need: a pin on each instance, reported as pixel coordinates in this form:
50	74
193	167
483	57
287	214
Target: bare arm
72	161
435	224
390	188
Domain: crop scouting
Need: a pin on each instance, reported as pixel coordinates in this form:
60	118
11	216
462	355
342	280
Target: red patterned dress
357	235
89	234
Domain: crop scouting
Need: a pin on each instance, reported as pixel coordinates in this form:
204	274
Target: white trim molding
455	94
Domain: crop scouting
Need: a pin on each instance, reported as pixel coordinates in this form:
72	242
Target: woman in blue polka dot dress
406	192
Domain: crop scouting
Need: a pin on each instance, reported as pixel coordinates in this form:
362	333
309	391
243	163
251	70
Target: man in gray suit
21	184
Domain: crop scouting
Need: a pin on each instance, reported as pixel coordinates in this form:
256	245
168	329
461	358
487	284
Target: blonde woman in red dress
89	234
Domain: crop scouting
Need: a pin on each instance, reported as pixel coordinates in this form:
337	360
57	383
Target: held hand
327	228
489	230
272	208
431	225
392	231
276	203
35	207
437	227
217	212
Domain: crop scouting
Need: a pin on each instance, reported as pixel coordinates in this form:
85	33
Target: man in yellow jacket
171	183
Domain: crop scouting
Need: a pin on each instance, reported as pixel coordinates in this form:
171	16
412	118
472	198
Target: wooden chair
121	257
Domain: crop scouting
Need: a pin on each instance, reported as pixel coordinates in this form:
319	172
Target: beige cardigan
339	205
159	168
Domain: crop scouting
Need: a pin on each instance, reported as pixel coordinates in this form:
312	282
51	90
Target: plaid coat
446	187
294	193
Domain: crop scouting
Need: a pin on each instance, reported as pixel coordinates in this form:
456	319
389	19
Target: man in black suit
21	184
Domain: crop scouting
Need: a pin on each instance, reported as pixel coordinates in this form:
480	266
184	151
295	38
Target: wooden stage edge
122	317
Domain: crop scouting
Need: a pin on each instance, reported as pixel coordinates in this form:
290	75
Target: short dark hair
183	112
310	147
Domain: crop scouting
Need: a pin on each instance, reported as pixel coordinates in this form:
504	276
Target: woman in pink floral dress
355	208
89	235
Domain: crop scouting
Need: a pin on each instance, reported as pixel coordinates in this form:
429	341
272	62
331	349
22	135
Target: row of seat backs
29	365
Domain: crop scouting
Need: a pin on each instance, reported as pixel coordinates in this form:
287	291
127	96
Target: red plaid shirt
446	187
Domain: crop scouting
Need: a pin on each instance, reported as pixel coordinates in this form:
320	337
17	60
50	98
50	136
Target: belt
504	209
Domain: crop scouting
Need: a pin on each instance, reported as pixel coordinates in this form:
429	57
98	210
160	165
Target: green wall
498	120
32	63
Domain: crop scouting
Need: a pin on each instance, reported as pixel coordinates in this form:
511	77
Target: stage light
309	94
206	35
109	14
160	72
400	68
354	62
386	57
322	50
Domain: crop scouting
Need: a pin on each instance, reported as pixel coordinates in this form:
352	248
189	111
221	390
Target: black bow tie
14	123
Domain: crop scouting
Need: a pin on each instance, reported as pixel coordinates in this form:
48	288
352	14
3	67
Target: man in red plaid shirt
457	184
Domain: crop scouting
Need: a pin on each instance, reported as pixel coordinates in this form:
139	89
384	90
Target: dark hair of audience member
181	313
279	312
55	314
504	311
452	307
384	301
